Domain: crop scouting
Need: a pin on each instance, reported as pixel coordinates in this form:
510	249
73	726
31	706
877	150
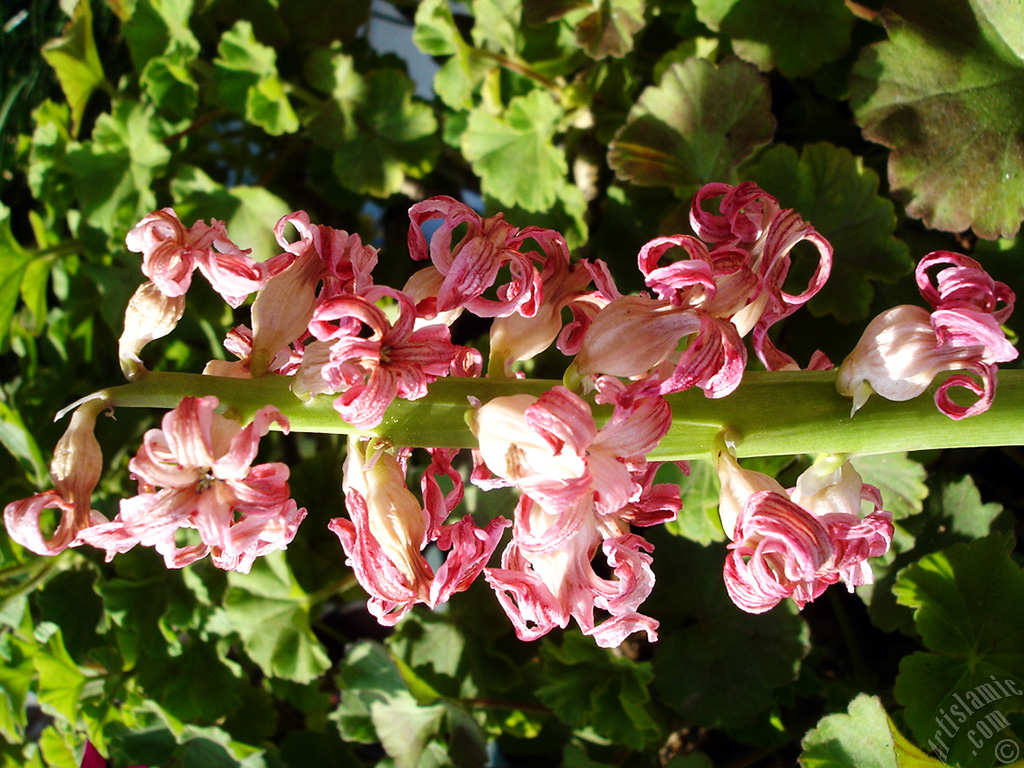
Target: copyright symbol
1007	751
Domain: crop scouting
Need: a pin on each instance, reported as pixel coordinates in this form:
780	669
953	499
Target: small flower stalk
577	456
905	348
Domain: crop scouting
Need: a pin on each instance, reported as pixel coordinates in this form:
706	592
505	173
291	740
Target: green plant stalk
771	413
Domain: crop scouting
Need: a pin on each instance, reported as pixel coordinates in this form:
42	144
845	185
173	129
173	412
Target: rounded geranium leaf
797	36
833	190
966	602
694	127
943	92
514	153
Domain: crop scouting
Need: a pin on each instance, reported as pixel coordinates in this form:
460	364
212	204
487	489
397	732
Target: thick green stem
773	414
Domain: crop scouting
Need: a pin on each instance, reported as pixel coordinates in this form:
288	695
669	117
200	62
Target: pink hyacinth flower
388	528
542	588
905	348
796	543
470	267
324	262
196	472
580	489
372	359
170	253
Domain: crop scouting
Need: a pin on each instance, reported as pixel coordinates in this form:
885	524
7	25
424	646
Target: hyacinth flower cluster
577	454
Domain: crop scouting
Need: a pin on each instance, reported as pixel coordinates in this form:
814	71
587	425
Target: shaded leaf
270	612
953	513
591	686
694	127
14	260
716	665
864	737
514	153
608	27
396	137
966	602
248	212
17	675
797	36
943	92
833	191
74	58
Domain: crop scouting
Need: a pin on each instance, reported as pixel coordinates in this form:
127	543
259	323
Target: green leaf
966	602
514	153
700	492
953	513
195	685
694	127
18	439
864	737
334	73
833	191
714	664
246	78
591	686
148	608
17	674
797	36
74	58
46	171
14	260
113	174
943	92
498	22
270	612
159	27
397	138
170	85
899	478
61	682
405	728
376	705
608	26
435	32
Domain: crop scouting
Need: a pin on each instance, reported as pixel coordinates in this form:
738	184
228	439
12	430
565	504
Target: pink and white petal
985	391
469	548
610	633
23	521
234	464
632	335
562	419
233	275
187	432
714	361
526	600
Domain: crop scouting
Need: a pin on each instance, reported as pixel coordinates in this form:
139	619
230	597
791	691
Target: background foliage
895	131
